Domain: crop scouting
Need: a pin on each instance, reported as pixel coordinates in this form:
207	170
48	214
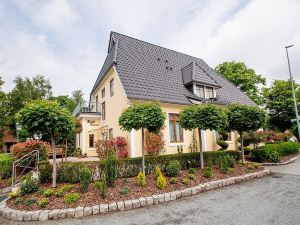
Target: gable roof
151	72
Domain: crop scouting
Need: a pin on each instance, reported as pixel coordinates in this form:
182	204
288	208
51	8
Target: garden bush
103	186
43	202
191	176
173	180
192	171
161	182
19	201
124	191
97	185
48	192
30	201
29	185
186	181
154	143
157	172
69	172
289	148
207	172
45	170
71	198
63	189
22	148
85	178
111	169
173	169
223	144
6	162
141	179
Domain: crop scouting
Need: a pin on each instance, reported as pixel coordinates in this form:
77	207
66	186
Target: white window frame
204	86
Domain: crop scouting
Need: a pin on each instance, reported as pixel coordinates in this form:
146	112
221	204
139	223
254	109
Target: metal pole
293	90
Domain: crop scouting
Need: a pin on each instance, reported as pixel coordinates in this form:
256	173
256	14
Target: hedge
69	171
272	152
6	162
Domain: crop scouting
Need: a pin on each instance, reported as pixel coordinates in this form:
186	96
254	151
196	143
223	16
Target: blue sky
66	41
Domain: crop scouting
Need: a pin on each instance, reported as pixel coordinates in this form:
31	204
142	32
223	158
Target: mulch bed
92	197
5	183
288	157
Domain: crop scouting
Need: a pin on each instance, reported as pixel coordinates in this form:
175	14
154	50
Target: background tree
65	101
77	96
2	112
148	115
279	101
46	118
243	118
203	117
244	78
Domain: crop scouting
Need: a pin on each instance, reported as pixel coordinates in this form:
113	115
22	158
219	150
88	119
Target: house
9	139
135	71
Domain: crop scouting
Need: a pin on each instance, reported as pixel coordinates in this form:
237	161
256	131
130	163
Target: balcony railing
87	107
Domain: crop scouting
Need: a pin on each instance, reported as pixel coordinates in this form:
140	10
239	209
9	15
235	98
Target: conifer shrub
161	182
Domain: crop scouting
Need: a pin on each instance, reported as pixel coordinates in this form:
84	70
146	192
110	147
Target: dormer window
204	91
199	91
209	92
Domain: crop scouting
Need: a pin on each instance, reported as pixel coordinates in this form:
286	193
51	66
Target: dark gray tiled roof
151	72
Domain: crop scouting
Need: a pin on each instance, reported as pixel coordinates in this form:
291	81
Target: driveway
274	199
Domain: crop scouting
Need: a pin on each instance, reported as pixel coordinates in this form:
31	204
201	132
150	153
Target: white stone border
43	215
282	163
5	190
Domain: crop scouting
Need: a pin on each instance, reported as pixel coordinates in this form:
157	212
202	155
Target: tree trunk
66	150
201	149
143	152
54	161
242	147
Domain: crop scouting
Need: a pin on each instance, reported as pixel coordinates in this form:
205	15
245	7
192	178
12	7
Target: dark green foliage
6	162
64	189
30	201
111	169
45	170
192	171
85	178
223	144
29	185
124	191
223	164
71	198
69	172
288	148
19	201
207	172
103	185
191	176
173	169
230	161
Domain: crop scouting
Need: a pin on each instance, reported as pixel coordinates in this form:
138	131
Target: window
110	134
97	104
103	110
91	141
111	85
103	92
200	91
209	92
176	132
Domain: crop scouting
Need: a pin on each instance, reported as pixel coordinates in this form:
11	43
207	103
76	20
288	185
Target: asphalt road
274	199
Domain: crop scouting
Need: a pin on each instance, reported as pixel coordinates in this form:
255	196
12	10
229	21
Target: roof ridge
156	45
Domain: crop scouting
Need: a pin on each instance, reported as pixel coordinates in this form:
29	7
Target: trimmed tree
147	115
203	117
245	118
46	118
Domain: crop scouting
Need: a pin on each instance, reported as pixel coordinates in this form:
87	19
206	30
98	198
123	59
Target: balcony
87	107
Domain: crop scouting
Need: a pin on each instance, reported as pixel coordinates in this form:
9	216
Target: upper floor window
176	132
110	134
91	141
103	111
111	85
200	90
209	92
103	93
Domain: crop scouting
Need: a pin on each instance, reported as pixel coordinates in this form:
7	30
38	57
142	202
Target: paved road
274	199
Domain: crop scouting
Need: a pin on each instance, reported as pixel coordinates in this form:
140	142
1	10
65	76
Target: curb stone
43	215
282	163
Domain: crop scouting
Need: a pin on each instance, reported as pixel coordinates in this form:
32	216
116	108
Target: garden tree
279	101
203	117
65	101
77	96
243	118
2	112
147	115
26	90
244	78
47	118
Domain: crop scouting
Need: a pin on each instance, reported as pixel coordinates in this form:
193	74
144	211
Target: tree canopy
2	111
65	101
77	97
244	78
279	101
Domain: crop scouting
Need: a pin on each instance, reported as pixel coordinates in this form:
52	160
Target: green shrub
19	201
43	202
111	169
223	164
71	198
161	182
68	172
124	191
186	181
191	176
63	189
173	180
192	171
208	172
223	144
45	170
103	185
289	148
97	185
49	192
252	165
29	185
157	172
247	150
6	162
30	201
266	153
141	179
85	178
230	161
173	169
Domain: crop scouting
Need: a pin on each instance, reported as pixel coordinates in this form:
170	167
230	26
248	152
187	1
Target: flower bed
121	187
